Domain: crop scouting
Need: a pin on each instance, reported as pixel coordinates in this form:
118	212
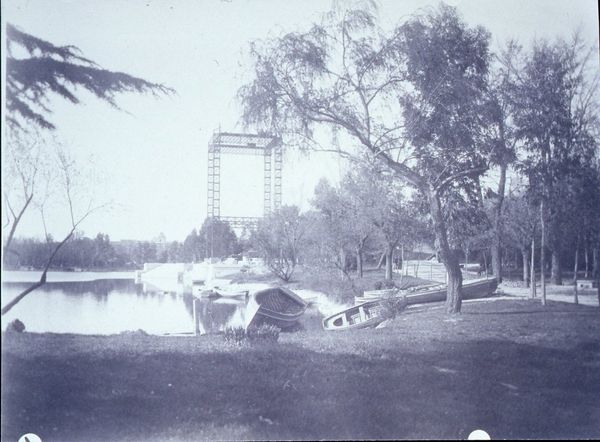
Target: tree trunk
556	275
448	256
525	265
587	265
532	270
575	297
497	221
13	228
543	254
381	260
343	262
42	280
403	263
596	270
485	262
389	257
497	262
359	262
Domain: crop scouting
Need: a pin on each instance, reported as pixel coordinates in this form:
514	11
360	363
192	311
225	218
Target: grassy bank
512	368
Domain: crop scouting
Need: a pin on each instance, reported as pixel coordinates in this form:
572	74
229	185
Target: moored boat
277	306
238	294
369	314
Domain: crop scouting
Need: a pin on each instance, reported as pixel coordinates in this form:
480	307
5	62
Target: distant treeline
100	253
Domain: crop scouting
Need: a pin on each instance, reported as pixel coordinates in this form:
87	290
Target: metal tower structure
226	143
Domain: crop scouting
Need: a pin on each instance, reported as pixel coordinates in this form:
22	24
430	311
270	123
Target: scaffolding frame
228	143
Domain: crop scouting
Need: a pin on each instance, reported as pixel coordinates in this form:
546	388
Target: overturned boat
276	306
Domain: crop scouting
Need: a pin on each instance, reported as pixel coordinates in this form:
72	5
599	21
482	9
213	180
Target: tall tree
412	99
503	136
555	115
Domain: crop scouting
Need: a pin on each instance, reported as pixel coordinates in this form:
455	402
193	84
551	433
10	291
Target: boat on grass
478	288
277	306
368	314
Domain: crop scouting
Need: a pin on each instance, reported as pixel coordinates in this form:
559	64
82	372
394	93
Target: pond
109	303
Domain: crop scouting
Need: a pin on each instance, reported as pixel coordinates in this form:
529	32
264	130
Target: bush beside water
263	333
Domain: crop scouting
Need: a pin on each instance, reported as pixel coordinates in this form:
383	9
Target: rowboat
369	314
478	288
202	292
277	306
239	294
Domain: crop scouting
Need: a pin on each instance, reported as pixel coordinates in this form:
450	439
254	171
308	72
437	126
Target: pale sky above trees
152	159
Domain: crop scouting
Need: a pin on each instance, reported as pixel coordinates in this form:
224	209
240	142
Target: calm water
83	303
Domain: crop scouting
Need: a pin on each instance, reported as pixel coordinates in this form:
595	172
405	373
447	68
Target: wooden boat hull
437	293
347	319
369	314
278	306
240	294
470	290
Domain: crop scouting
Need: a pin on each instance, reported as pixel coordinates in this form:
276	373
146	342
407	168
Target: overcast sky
152	160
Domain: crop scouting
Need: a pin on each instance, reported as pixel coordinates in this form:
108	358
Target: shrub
16	326
235	335
265	332
262	333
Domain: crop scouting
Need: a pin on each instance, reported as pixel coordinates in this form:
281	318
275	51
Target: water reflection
108	306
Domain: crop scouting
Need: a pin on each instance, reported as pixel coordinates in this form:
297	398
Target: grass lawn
512	368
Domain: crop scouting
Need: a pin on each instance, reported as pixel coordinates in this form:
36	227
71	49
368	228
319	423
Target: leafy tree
412	99
104	254
521	225
469	227
194	247
58	70
502	135
145	252
216	239
334	226
557	115
279	238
